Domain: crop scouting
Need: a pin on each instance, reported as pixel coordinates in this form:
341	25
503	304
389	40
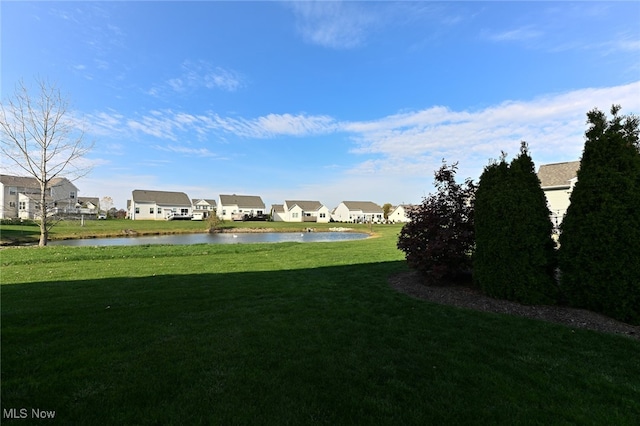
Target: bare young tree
43	141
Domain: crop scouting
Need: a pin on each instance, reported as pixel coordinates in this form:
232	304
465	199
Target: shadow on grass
328	345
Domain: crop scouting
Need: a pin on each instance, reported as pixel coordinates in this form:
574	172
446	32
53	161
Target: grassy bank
284	334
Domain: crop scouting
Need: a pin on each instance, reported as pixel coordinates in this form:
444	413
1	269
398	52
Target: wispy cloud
334	24
195	75
518	34
186	151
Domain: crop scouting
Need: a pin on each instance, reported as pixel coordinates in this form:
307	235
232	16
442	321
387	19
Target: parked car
102	216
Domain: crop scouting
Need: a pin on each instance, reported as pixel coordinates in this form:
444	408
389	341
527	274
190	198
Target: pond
206	238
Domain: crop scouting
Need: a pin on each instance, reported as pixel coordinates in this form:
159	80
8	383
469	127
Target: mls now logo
23	413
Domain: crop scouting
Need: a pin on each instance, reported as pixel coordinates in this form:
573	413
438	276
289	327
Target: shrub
600	235
439	238
515	252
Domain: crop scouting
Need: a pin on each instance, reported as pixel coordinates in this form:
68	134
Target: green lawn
285	334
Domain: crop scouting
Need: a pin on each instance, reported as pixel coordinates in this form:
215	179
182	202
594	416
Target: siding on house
557	181
235	207
158	205
400	213
358	211
305	211
204	206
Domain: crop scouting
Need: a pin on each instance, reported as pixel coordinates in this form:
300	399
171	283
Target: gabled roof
558	174
85	200
307	206
364	206
277	208
161	197
28	182
196	201
242	201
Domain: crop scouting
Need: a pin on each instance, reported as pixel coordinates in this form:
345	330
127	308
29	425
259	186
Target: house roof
308	206
28	182
277	208
85	200
558	174
364	206
207	201
161	197
242	201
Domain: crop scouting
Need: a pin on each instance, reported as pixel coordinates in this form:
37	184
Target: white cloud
517	34
334	24
196	75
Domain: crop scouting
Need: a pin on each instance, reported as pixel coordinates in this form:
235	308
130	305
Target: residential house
400	213
20	197
557	181
159	205
240	207
88	205
277	213
358	212
303	211
203	207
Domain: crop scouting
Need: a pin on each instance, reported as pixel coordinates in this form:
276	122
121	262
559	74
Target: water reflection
206	238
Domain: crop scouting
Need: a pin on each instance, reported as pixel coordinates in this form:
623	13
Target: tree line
498	233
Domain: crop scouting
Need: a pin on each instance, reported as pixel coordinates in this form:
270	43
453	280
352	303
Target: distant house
400	214
240	207
277	213
357	212
302	211
20	197
557	181
159	205
88	205
203	207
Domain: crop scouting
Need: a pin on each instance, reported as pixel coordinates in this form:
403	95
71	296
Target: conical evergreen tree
600	240
515	254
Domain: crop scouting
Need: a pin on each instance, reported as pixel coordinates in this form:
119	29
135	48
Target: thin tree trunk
44	232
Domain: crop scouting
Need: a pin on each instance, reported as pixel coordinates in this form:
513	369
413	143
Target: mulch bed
412	284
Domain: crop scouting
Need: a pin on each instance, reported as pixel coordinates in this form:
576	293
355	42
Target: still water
239	238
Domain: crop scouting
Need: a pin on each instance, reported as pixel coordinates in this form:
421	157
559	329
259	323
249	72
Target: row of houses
165	205
20	198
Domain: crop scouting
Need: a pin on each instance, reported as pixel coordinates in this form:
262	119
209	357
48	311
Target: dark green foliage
439	239
600	239
515	254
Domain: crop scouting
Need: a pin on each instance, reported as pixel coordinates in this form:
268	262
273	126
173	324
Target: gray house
20	197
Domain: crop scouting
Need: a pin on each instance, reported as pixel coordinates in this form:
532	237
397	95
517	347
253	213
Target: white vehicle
197	216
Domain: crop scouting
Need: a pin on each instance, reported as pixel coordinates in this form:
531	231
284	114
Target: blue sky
326	101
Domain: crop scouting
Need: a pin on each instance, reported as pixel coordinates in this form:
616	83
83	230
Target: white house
301	211
400	214
557	181
240	207
159	205
358	211
88	205
20	197
203	207
277	213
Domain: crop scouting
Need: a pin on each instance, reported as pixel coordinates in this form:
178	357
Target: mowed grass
285	333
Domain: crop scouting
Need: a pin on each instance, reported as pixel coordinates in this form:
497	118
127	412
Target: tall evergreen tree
515	253
600	239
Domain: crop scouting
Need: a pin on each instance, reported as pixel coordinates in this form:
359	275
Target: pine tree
515	253
600	235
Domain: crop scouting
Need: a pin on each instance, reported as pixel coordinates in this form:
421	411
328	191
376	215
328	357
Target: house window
23	205
294	215
13	191
184	212
72	195
322	215
159	210
151	210
137	210
12	203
